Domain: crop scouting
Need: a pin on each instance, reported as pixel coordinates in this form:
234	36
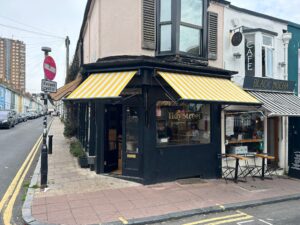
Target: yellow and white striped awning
102	85
207	89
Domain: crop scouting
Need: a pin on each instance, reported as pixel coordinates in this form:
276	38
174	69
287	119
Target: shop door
132	141
294	147
113	138
273	138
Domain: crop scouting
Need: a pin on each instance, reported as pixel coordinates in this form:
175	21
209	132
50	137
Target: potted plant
77	151
83	161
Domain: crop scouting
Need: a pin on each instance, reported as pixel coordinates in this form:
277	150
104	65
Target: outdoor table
264	157
237	163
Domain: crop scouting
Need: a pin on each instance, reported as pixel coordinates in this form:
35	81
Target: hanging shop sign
237	38
249	56
266	84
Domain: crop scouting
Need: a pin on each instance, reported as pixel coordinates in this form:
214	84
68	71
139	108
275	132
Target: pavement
79	196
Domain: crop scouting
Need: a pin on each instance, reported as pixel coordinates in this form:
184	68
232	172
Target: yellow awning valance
103	85
208	89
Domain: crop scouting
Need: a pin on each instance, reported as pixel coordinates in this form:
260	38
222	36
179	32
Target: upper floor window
267	56
181	27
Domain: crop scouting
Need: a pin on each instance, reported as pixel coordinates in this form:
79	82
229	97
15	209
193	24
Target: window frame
267	47
175	31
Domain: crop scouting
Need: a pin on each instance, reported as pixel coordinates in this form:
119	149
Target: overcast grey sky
64	17
284	9
57	17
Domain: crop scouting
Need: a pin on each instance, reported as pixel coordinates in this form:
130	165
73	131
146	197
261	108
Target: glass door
132	151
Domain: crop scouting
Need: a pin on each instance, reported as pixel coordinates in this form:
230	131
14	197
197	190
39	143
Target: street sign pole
44	153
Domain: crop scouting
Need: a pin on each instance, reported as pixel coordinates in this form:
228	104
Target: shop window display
181	124
244	132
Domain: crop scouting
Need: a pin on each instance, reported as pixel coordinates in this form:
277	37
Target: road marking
242	222
9	208
247	221
123	220
265	222
221	206
231	220
239	214
13	184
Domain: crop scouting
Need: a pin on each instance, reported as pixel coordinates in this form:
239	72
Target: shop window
182	124
181	27
244	132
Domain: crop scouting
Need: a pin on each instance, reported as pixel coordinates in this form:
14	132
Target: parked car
8	118
23	117
19	118
32	115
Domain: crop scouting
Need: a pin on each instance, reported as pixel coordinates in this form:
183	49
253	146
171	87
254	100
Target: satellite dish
237	38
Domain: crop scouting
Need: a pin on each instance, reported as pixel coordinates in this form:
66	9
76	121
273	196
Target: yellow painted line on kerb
240	215
9	208
13	184
123	220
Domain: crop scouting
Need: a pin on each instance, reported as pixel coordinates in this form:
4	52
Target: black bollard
50	144
44	166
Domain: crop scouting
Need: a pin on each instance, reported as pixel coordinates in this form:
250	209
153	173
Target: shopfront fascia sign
266	84
250	58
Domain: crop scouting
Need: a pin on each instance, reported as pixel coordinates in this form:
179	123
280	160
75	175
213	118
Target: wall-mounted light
237	55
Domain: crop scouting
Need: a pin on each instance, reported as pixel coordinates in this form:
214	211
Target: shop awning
66	89
278	104
207	89
102	85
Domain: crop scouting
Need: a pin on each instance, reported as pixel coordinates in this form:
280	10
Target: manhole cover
191	181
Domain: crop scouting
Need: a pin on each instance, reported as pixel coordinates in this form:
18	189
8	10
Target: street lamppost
44	153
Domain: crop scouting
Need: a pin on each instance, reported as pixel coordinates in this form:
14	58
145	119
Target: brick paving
86	198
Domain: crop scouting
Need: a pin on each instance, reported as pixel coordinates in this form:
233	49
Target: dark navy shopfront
163	123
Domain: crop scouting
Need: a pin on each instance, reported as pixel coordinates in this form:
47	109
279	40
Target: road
284	213
15	144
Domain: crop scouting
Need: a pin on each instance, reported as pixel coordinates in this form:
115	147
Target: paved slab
79	196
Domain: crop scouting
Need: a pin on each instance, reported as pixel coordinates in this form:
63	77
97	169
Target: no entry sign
49	68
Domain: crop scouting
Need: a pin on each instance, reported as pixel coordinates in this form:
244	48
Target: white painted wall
112	29
250	21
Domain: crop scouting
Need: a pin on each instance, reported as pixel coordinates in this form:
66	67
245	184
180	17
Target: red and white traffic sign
49	68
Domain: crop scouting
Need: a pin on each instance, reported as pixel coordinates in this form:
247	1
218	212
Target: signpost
47	86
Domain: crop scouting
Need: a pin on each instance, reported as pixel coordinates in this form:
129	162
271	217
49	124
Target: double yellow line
223	219
10	196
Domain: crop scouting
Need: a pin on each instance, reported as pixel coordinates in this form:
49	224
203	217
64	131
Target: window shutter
212	35
149	28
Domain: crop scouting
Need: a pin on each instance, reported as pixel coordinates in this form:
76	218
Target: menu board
294	170
296	162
